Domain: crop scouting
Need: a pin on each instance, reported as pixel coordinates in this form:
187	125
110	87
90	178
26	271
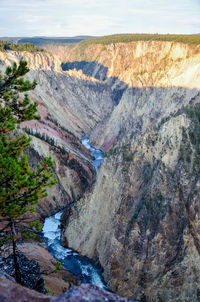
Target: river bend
71	260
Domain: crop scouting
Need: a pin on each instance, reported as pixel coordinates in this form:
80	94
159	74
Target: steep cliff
154	78
73	100
141	218
70	105
142	63
125	67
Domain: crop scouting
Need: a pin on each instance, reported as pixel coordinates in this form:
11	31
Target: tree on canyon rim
20	186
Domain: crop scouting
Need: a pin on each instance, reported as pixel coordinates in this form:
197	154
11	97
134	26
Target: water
71	260
98	154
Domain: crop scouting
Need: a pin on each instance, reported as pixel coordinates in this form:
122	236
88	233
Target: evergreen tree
20	186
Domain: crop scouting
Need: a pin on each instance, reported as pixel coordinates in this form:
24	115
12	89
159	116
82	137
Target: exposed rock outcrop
132	71
70	105
56	283
141	219
38	266
71	99
142	63
11	291
74	173
160	77
29	269
91	293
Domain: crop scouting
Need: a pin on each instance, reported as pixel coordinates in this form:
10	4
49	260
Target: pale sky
98	17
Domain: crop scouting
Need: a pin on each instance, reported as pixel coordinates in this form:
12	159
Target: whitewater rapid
72	261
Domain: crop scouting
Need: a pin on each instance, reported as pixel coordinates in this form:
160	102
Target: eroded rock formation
141	219
70	105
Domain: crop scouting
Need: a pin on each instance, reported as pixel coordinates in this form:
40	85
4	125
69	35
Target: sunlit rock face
141	218
138	64
133	71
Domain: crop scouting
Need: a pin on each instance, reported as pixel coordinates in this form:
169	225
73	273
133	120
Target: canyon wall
70	105
142	63
125	67
141	218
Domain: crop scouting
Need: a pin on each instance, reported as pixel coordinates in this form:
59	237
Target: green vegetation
190	146
58	267
20	187
42	136
136	214
45	41
55	122
46	139
124	149
150	210
19	47
153	203
125	38
112	152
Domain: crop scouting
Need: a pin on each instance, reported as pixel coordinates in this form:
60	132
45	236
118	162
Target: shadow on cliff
92	69
99	72
140	107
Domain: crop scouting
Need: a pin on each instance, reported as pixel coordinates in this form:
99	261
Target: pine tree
20	187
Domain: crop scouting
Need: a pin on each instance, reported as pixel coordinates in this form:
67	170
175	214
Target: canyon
69	107
138	217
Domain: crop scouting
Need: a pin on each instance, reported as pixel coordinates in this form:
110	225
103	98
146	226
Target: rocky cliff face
142	63
70	105
133	71
73	100
155	78
141	218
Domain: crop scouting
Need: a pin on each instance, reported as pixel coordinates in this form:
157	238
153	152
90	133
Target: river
79	265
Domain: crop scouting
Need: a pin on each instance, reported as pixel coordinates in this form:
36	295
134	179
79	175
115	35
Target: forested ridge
19	47
125	38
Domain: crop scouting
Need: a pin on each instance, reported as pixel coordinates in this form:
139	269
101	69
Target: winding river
79	265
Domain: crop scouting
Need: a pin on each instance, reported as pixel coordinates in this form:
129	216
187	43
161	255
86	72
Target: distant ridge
125	38
42	40
115	38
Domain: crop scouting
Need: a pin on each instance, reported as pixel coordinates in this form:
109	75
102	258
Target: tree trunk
15	253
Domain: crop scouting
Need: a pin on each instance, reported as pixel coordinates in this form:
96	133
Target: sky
97	17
